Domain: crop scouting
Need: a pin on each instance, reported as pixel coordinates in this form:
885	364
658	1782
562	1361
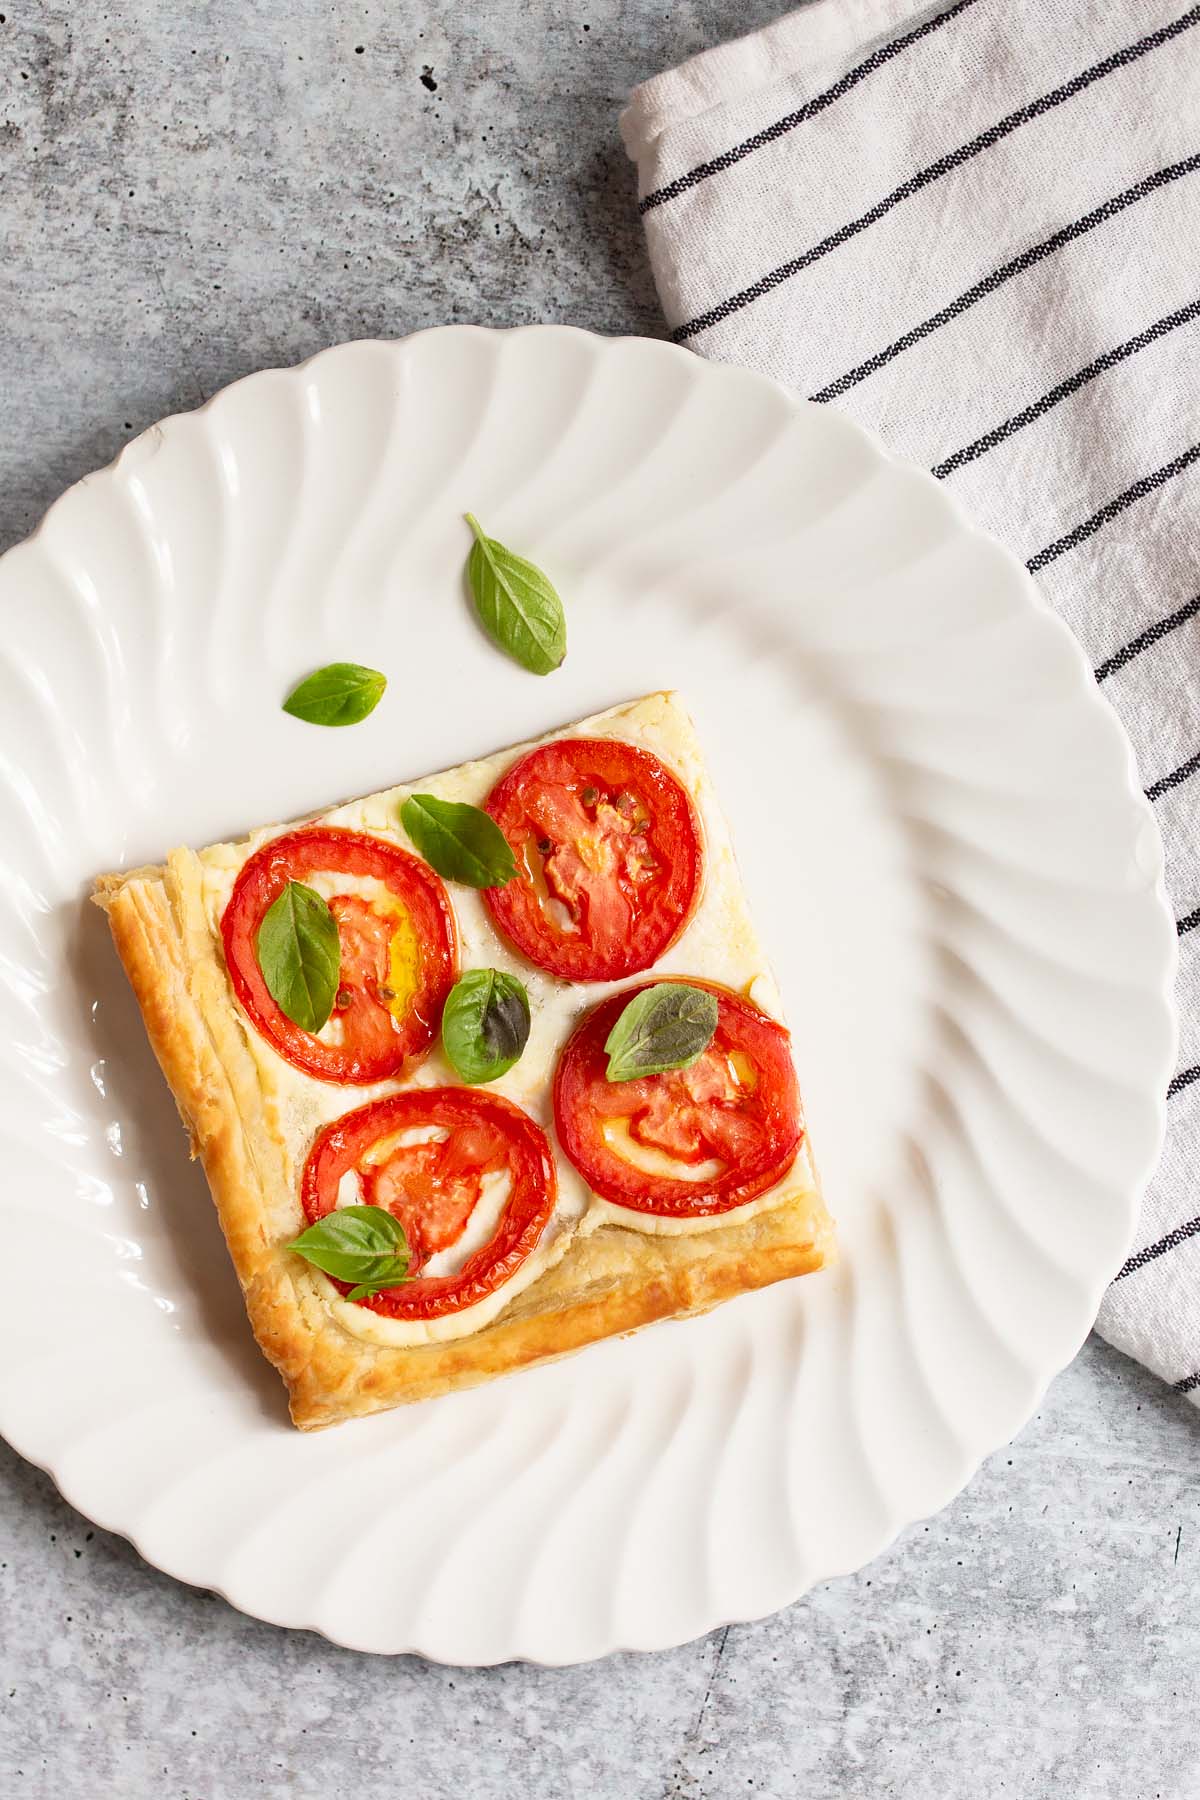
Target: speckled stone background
193	191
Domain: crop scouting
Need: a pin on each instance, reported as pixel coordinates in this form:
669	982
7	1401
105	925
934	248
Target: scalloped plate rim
1087	695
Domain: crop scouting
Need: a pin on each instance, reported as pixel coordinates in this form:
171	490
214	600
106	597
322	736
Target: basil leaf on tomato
341	693
485	1024
668	1026
300	955
435	1185
459	841
361	1244
517	604
738	1106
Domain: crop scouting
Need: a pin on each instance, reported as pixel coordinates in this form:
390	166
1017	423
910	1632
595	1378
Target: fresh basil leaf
338	694
517	605
460	842
362	1244
300	955
664	1027
485	1024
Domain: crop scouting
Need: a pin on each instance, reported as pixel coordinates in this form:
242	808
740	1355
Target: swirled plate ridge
945	843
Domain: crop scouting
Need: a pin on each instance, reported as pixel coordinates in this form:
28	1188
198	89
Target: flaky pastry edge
610	1282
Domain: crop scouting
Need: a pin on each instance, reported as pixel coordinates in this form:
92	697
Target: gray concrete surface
192	191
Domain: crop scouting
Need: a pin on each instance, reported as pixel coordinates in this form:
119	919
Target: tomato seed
544	846
590	796
343	999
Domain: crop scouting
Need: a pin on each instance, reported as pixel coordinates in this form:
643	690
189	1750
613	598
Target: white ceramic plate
951	862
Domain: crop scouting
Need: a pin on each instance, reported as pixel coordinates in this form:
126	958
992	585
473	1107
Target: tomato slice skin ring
597	799
295	856
529	1160
770	1126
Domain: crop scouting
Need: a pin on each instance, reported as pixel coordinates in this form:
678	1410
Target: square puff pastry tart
596	1268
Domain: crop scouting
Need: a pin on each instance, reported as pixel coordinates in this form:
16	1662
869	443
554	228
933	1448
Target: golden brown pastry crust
609	1282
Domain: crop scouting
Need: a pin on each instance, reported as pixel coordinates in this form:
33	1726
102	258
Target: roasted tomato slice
432	1156
399	949
609	858
692	1142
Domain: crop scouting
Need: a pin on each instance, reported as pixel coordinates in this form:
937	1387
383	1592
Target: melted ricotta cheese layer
720	944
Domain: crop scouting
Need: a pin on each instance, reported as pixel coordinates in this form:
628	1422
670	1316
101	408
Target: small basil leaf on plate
459	841
300	955
362	1244
517	604
485	1024
664	1027
341	693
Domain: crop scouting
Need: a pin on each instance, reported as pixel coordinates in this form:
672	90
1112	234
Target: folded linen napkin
973	226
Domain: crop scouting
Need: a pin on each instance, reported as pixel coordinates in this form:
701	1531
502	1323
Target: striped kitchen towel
976	227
